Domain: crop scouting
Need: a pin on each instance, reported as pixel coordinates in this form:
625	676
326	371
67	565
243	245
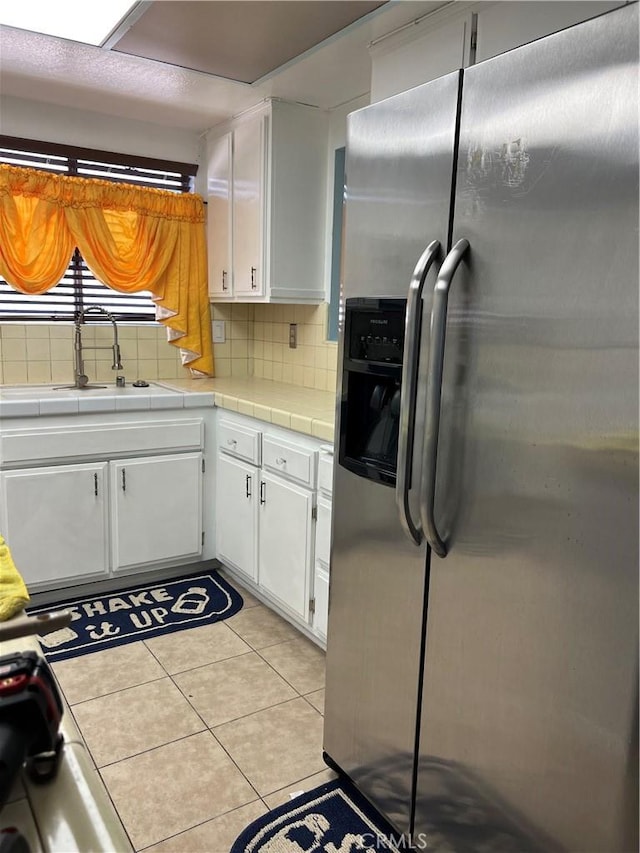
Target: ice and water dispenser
371	380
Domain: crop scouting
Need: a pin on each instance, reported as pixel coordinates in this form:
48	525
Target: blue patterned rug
138	613
333	817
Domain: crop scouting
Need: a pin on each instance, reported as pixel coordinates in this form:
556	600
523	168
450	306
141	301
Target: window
79	288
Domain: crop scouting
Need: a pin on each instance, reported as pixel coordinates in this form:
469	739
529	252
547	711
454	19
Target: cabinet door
503	26
321	600
431	51
321	571
219	215
285	542
237	485
323	531
54	520
156	506
248	201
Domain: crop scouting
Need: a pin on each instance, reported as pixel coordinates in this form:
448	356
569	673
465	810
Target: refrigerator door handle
408	391
434	393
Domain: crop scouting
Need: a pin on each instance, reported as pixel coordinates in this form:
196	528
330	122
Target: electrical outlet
218	331
293	335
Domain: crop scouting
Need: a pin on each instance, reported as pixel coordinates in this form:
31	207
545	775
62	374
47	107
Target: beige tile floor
199	732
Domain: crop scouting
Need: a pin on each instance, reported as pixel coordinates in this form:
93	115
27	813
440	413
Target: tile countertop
301	409
304	410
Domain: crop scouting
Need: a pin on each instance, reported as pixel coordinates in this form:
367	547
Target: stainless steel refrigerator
482	655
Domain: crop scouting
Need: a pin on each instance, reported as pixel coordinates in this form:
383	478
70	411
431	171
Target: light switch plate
293	335
218	331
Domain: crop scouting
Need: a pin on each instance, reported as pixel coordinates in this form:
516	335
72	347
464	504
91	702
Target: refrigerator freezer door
529	715
400	156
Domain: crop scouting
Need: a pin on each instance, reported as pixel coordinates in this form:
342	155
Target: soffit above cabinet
240	41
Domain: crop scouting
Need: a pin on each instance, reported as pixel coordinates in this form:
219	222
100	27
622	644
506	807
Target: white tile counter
304	410
20	401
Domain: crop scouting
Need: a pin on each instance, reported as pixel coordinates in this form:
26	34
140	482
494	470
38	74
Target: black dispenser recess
371	380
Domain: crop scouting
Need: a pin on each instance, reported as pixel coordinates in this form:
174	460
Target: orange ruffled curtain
132	239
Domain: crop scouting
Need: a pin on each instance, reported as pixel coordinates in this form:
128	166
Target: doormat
139	612
333	817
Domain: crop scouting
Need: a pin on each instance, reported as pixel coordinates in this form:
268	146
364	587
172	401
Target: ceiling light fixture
77	20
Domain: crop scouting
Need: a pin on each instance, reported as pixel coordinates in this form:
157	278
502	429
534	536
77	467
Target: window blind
78	288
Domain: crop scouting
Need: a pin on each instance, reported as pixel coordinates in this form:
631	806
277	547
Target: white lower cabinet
321	566
86	496
156	506
237	514
79	521
273	516
286	543
321	600
55	521
322	545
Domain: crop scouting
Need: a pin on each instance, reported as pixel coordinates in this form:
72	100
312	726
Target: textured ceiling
59	72
237	39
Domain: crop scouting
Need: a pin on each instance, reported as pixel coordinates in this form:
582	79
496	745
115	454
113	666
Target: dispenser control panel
371	387
377	335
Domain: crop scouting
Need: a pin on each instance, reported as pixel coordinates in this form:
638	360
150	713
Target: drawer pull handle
95	485
124	480
281	460
231	442
263	492
248	485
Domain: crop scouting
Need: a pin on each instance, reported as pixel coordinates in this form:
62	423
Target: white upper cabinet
219	215
267	184
248	206
503	26
435	46
463	33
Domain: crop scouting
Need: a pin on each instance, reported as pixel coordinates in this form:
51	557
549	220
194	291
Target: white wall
64	125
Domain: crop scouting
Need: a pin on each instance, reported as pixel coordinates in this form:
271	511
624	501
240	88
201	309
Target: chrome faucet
81	380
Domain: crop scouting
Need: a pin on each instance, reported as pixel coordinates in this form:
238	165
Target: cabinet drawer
292	461
239	441
109	439
325	472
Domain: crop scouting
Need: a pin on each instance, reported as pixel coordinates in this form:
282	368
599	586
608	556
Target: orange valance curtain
132	239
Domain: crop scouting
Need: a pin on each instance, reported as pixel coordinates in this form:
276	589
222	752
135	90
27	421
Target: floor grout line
121	690
203	822
293	687
251	649
152	748
202	665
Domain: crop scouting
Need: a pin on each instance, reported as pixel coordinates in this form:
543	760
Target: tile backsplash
257	344
42	353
